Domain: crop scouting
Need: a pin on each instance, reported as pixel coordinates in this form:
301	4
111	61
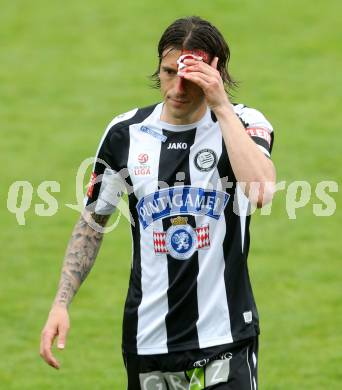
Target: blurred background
67	68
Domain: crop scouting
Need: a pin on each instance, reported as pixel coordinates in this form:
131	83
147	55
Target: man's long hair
195	33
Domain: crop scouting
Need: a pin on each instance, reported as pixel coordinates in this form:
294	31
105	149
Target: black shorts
229	367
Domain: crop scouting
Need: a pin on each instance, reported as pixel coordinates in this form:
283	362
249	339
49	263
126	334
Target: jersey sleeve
258	128
106	185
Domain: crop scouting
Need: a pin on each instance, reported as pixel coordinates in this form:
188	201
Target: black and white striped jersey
189	286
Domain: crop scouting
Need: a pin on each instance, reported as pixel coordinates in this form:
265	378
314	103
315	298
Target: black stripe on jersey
262	142
213	116
236	276
134	295
182	292
272	140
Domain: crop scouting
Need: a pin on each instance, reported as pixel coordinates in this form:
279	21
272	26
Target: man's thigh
234	369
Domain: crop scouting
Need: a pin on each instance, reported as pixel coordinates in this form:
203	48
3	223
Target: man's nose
180	85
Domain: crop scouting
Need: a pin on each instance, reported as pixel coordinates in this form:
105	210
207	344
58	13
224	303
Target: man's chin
177	112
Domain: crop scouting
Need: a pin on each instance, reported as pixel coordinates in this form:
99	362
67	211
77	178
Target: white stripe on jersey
243	204
213	325
152	336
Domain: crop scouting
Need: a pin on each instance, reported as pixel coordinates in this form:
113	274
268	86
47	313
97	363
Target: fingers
198	78
205	81
45	349
214	62
208	78
57	324
199	66
193	61
62	335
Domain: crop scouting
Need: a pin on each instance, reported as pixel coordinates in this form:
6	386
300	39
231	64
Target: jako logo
178	145
143	158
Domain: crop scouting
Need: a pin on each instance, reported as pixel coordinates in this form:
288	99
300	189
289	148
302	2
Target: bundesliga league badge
181	240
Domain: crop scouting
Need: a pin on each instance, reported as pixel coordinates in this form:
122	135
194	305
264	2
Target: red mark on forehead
199	53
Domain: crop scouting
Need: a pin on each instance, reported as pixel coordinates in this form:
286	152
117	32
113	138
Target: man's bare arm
80	256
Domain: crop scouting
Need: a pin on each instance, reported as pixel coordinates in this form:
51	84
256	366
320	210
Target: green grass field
66	70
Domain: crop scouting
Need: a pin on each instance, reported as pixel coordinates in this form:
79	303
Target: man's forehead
171	55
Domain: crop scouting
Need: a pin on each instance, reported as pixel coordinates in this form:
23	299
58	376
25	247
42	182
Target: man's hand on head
208	78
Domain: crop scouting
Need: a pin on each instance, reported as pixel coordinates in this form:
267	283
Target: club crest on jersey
181	200
181	240
205	160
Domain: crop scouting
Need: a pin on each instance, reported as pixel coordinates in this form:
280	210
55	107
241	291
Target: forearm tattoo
80	256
